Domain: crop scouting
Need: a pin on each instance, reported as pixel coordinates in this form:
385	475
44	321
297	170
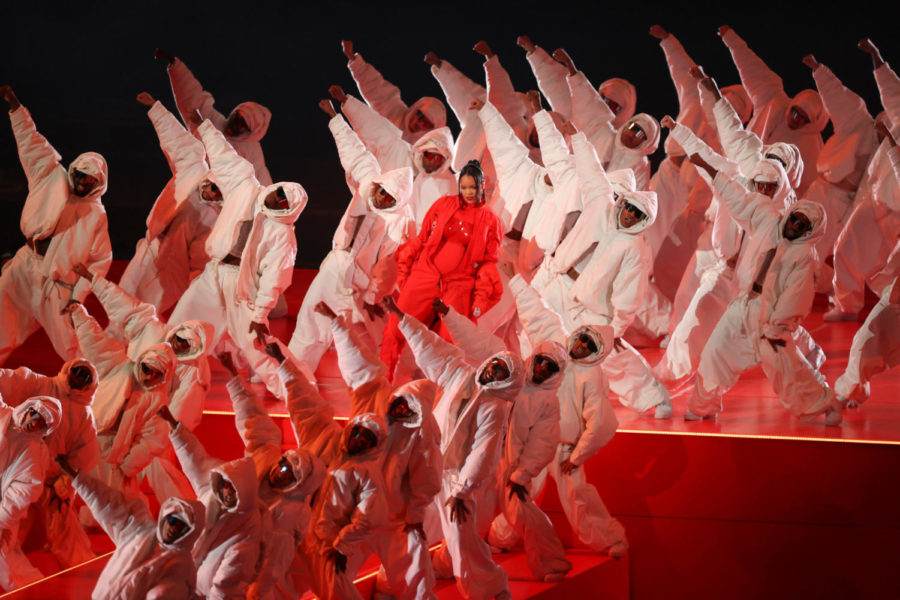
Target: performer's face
432	161
496	370
173	528
797	118
281	474
360	440
419	122
236	125
79	377
33	422
82	183
468	188
381	199
277	200
633	136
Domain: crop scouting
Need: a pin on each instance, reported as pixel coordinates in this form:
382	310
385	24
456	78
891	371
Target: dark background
79	66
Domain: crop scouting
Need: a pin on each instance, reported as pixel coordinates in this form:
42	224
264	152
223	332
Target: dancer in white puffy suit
130	393
875	346
531	441
226	553
412	461
172	252
842	161
286	481
776	287
76	437
138	324
244	127
776	116
599	275
430	155
623	147
64	224
587	423
472	413
360	269
24	459
413	121
152	559
551	73
868	236
350	507
252	248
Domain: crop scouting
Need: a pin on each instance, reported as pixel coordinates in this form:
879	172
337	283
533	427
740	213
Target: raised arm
440	360
358	364
502	94
118	516
680	65
312	418
590	113
195	461
378	133
551	78
741	146
594	182
749	209
186	153
356	159
234	174
37	156
190	96
515	170
458	88
540	322
124	310
477	344
692	144
762	84
101	349
260	433
379	93
889	89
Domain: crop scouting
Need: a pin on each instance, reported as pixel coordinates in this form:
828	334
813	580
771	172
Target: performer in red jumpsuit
454	258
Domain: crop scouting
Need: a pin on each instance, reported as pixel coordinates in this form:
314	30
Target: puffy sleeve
747	208
186	154
105	352
358	364
195	461
379	134
482	459
791	305
502	94
190	95
379	93
261	436
741	146
515	171
38	157
477	344
600	421
629	287
276	270
361	499
150	441
99	255
360	164
540	446
123	309
23	483
424	467
889	88
458	88
311	417
590	113
847	109
235	175
118	516
551	79
18	385
440	360
680	65
540	322
762	84
692	144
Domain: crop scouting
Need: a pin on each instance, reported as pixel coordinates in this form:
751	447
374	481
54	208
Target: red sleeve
488	285
408	253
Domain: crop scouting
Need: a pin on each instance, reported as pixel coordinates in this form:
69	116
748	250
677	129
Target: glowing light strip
760	436
230	413
48	577
375	572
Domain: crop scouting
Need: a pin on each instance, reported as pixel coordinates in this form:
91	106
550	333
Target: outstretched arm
762	83
590	113
550	76
37	156
190	95
379	93
117	515
680	65
458	88
186	154
234	174
102	350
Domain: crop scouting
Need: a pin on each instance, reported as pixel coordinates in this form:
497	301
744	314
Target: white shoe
663	410
690	415
836	315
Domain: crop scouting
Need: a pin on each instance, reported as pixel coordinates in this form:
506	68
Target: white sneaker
836	315
663	410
